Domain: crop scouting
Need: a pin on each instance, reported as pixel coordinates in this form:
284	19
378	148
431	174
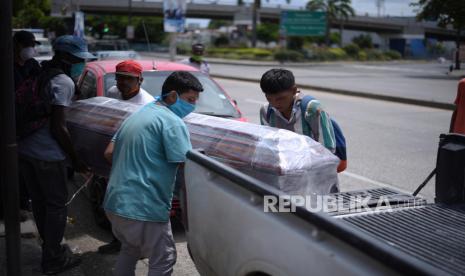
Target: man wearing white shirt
128	84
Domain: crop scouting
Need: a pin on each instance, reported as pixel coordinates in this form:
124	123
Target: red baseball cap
129	68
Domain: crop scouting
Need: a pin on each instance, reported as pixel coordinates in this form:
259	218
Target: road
389	144
423	81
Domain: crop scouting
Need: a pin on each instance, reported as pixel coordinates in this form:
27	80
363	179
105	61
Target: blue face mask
76	69
181	107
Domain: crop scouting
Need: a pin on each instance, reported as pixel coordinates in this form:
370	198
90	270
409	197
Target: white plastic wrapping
290	162
92	123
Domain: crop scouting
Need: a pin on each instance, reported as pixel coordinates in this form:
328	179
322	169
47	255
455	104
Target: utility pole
255	6
9	160
380	7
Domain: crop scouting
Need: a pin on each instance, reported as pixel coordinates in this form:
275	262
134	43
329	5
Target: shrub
288	55
352	49
393	55
221	41
362	55
373	54
324	54
363	41
336	54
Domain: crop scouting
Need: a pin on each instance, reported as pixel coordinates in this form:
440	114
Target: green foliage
444	11
392	55
336	9
375	55
55	24
116	25
295	42
362	55
268	32
216	24
220	41
363	41
240	53
288	55
352	50
329	54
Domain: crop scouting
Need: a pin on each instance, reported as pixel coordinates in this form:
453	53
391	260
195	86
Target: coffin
288	161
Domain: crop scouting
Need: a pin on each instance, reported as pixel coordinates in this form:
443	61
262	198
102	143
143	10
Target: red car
99	76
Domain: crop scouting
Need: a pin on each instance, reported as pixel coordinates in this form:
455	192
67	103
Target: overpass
391	26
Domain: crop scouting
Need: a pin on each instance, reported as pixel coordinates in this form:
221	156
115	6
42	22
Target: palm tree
335	9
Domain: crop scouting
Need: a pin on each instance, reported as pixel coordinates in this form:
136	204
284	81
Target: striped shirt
317	123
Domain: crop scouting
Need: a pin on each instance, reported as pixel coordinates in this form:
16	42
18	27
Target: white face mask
27	53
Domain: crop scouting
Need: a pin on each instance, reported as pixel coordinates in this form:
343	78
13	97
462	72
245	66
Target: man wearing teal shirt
145	154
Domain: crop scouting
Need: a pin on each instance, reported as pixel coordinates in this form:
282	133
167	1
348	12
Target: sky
361	7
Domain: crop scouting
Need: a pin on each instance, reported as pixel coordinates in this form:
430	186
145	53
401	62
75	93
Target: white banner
79	24
175	15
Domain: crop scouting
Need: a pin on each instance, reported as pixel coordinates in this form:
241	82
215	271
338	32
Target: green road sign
303	23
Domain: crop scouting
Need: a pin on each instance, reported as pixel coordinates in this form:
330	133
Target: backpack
32	103
341	151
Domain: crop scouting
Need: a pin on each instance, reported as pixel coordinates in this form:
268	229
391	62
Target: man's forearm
61	134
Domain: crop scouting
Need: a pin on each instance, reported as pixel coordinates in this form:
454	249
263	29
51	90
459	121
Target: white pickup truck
229	234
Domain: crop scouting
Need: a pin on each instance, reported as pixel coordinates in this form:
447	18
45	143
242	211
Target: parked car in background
45	47
99	76
104	55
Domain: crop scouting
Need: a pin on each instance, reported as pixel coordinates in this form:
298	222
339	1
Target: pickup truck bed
229	233
434	234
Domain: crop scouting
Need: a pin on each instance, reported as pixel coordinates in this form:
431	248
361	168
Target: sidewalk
84	237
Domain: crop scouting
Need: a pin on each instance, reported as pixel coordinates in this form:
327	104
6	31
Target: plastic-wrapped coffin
92	123
290	162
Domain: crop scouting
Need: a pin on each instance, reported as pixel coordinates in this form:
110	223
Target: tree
268	32
256	5
363	41
218	23
335	9
445	12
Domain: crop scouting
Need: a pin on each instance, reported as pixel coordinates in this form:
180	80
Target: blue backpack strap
341	150
269	116
303	108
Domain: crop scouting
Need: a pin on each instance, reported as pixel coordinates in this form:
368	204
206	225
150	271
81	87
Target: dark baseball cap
25	38
73	45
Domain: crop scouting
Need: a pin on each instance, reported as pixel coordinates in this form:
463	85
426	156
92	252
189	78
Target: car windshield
212	101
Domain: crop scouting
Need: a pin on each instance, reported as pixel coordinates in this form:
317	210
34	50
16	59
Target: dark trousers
46	184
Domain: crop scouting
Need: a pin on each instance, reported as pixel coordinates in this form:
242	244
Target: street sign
303	23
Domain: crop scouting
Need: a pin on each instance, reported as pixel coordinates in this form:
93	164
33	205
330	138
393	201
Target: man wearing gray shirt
43	154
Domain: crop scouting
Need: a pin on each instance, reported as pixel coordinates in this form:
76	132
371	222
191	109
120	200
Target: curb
432	104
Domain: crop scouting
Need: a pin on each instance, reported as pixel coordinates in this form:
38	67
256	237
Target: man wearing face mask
43	153
25	66
128	84
196	60
24	63
146	153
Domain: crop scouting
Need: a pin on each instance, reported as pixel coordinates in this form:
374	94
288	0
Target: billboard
303	23
175	15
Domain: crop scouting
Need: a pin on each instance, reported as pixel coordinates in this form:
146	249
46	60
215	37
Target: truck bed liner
434	234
